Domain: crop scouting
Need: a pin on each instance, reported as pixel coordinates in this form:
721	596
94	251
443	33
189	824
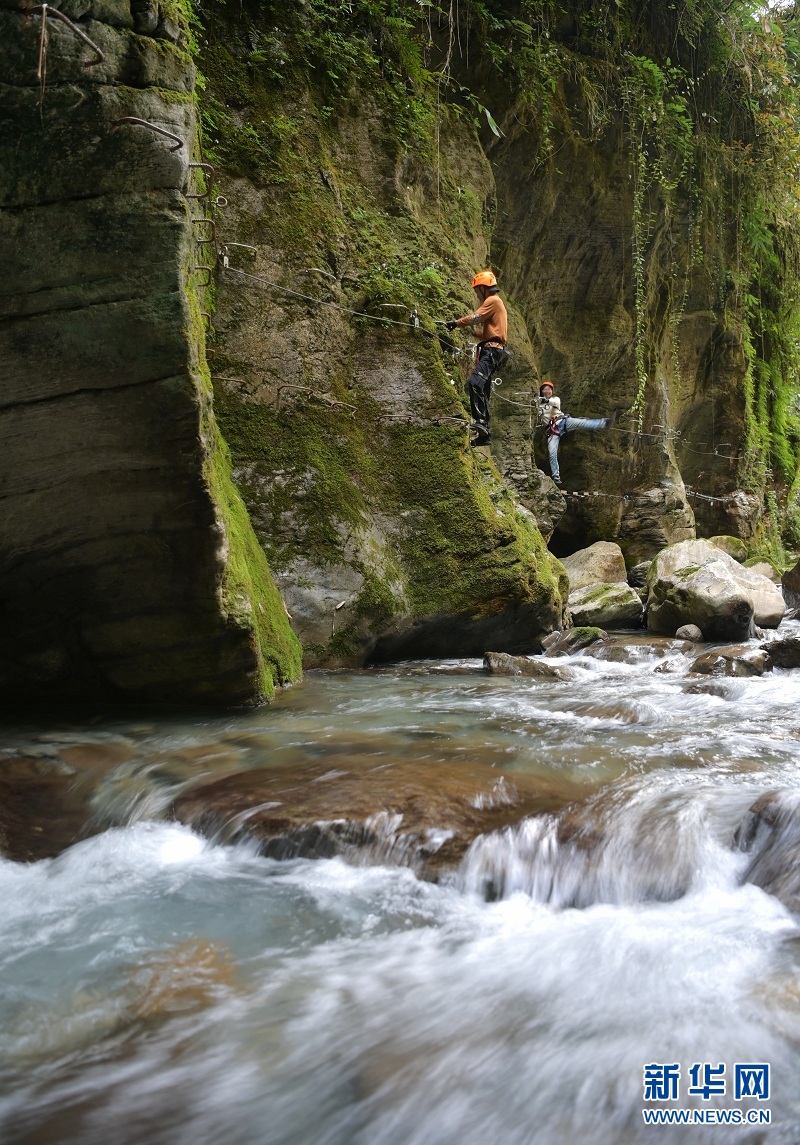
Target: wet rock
706	688
600	563
502	664
42	810
610	605
790	583
735	660
572	640
690	632
411	813
733	546
696	575
770	832
784	653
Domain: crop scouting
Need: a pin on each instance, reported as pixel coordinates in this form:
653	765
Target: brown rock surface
418	814
41	810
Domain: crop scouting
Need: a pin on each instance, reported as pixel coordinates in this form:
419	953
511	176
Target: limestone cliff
342	243
365	177
128	569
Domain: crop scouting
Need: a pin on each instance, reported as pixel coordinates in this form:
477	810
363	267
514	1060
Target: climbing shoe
481	439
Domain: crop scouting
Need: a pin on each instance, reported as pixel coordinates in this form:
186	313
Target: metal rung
136	122
53	13
209	272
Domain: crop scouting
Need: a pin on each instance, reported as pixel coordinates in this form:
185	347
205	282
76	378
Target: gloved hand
451	325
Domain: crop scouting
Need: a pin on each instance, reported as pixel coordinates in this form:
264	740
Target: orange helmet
546	382
484	278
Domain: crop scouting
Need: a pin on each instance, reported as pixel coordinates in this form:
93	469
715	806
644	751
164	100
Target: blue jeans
567	425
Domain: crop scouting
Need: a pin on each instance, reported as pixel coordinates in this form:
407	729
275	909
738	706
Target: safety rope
325	302
665	434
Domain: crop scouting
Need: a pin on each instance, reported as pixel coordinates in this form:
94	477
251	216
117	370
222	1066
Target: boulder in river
764	568
503	664
707	596
783	653
572	640
610	605
695	582
600	563
690	632
732	660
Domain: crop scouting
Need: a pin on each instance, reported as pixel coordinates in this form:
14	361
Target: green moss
249	595
687	572
597	594
376	602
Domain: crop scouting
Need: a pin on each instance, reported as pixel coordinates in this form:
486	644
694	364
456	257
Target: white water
159	988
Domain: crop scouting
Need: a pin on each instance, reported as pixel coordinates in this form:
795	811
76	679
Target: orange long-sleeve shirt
492	317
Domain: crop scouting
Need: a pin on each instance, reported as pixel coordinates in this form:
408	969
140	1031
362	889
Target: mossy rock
733	546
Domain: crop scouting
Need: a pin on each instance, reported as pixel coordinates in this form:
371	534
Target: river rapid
162	987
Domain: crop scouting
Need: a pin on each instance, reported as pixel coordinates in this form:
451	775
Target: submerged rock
735	660
413	813
42	808
770	832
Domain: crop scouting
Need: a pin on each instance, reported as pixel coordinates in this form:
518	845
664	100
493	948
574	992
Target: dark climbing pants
480	383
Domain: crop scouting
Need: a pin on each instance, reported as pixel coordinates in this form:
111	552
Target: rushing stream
160	987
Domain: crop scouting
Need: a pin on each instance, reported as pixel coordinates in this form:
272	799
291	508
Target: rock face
601	563
606	606
696	583
128	569
388	535
790	583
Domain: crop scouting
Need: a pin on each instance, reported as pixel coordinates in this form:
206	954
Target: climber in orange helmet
492	319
